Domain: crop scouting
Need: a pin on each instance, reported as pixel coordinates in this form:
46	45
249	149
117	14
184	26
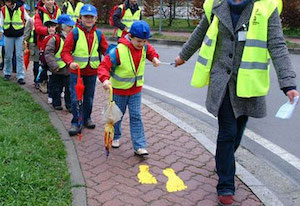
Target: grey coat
228	56
34	51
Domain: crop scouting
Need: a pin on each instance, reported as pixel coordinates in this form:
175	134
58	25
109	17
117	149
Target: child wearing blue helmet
123	70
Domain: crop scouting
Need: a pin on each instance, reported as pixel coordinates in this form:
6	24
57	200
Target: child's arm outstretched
152	55
103	72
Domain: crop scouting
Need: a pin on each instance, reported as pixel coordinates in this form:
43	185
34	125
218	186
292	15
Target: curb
77	180
180	43
266	196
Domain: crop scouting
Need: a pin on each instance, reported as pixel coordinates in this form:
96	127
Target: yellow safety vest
73	12
31	40
81	53
47	18
125	75
128	18
16	21
253	74
59	61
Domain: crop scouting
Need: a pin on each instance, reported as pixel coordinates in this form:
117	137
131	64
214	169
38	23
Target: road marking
275	149
144	176
174	182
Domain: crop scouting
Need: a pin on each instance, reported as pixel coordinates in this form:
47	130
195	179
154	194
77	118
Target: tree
197	9
104	7
291	14
151	7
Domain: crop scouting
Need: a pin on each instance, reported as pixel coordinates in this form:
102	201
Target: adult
125	15
72	7
238	38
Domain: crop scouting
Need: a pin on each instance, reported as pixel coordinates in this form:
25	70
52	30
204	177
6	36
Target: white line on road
275	149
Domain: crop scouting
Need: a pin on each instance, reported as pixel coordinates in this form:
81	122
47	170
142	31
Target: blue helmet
88	9
66	19
140	29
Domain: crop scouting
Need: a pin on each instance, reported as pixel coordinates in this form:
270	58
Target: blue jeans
10	43
231	130
136	124
88	97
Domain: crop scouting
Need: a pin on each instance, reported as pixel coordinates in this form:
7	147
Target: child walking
123	69
59	69
83	48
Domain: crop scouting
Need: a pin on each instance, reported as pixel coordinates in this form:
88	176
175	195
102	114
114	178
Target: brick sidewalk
113	181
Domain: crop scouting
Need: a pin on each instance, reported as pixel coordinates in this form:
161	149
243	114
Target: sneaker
225	200
62	95
115	143
21	81
6	77
74	130
141	152
43	87
50	100
89	124
58	108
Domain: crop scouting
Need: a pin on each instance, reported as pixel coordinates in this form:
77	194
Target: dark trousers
58	83
88	97
230	133
35	70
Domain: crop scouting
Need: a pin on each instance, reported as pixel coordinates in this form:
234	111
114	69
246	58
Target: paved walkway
113	181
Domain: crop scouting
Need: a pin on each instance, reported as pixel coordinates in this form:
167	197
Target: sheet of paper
286	110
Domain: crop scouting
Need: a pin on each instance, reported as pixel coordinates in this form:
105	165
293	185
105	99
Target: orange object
26	56
79	88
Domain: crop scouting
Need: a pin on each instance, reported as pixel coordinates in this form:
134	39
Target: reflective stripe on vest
125	74
253	74
74	12
59	61
16	21
128	18
81	53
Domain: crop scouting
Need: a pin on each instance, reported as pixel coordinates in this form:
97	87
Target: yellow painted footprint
174	183
145	177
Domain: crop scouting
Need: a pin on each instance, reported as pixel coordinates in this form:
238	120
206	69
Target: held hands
74	66
106	84
179	61
155	62
291	94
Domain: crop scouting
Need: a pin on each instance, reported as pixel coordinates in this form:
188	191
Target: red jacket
106	64
40	29
66	53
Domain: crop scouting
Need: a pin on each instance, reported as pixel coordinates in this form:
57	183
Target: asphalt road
284	133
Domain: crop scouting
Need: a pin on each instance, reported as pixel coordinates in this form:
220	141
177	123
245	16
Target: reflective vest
59	61
253	74
46	17
128	18
31	40
16	21
125	75
81	53
73	12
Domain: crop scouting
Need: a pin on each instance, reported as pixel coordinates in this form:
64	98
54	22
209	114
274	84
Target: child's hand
155	62
106	84
74	66
179	61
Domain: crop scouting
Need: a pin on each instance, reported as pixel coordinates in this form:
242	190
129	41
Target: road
282	133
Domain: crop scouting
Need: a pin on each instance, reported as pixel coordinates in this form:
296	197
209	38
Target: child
12	20
123	69
46	10
72	7
60	71
84	53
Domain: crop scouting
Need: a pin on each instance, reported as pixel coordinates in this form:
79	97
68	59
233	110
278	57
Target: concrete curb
267	197
77	180
180	43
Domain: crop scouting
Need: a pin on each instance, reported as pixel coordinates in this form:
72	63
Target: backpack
43	48
75	39
112	11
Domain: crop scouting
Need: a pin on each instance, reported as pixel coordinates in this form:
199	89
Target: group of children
68	42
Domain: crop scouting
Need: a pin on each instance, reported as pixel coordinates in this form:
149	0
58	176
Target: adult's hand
291	94
179	61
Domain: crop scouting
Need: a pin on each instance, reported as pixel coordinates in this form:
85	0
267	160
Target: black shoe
69	109
6	77
21	81
89	124
74	130
58	108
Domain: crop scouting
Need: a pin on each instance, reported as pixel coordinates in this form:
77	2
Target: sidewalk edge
77	180
267	197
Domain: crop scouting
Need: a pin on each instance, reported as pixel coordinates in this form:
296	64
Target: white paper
242	35
286	110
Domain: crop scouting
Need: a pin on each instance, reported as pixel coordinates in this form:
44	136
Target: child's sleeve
105	67
39	27
151	52
104	45
50	56
66	53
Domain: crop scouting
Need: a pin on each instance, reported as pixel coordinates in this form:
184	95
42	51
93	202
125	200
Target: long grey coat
228	56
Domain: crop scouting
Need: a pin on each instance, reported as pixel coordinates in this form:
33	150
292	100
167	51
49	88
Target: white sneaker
141	151
49	100
62	95
115	144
